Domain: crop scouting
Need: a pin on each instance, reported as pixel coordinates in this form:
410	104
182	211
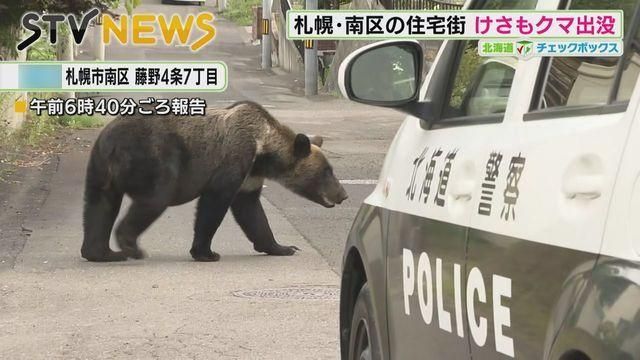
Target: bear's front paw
205	256
107	256
278	250
134	253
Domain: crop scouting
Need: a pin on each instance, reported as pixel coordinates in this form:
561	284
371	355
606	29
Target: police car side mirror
385	73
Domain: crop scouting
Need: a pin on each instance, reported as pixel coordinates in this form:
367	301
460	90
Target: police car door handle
462	190
583	187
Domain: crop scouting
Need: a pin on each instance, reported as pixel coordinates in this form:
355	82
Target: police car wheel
363	341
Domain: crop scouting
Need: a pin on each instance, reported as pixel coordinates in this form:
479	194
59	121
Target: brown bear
223	158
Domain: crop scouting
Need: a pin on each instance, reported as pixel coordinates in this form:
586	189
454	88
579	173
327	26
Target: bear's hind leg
100	211
141	214
249	214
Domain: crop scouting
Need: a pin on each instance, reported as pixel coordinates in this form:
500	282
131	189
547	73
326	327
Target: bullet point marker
20	106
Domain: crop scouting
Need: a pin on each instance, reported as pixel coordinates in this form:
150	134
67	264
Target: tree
11	12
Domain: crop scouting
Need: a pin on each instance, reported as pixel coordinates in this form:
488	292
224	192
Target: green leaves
12	12
129	5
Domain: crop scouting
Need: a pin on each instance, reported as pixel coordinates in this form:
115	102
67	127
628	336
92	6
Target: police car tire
363	319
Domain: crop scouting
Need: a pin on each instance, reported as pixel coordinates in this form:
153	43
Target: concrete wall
285	55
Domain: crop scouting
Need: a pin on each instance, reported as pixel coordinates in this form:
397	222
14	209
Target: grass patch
79	121
241	11
33	130
28	146
37	128
39	138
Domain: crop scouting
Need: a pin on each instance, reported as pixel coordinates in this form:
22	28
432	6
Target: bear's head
311	176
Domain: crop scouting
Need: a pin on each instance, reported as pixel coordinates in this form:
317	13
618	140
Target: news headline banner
411	24
208	76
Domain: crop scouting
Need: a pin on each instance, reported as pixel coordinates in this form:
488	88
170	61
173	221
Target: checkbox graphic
21	106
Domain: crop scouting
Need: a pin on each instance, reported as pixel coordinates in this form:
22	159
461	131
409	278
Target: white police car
506	221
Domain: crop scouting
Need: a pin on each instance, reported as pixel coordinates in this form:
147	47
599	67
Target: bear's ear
316	140
301	146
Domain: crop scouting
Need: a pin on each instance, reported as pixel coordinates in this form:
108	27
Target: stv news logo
139	29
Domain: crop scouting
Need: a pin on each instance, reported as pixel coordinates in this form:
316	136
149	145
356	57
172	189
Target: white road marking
359	182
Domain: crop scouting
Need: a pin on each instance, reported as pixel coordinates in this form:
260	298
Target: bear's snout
342	196
333	197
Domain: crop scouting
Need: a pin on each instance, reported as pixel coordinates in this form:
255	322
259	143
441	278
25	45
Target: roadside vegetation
37	140
39	136
469	63
241	11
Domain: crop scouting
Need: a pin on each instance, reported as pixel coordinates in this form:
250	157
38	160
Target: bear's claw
278	250
136	253
209	256
109	256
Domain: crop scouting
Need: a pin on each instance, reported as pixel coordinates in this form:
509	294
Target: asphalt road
356	136
55	305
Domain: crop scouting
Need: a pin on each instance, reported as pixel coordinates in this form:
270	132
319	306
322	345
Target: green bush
34	129
79	121
241	11
41	50
469	63
37	128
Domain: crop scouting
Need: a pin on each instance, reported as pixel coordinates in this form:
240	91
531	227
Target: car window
480	85
576	81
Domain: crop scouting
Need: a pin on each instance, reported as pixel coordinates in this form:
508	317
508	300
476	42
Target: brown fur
173	160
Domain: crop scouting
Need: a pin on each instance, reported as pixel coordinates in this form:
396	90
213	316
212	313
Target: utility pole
65	52
311	59
266	34
98	43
